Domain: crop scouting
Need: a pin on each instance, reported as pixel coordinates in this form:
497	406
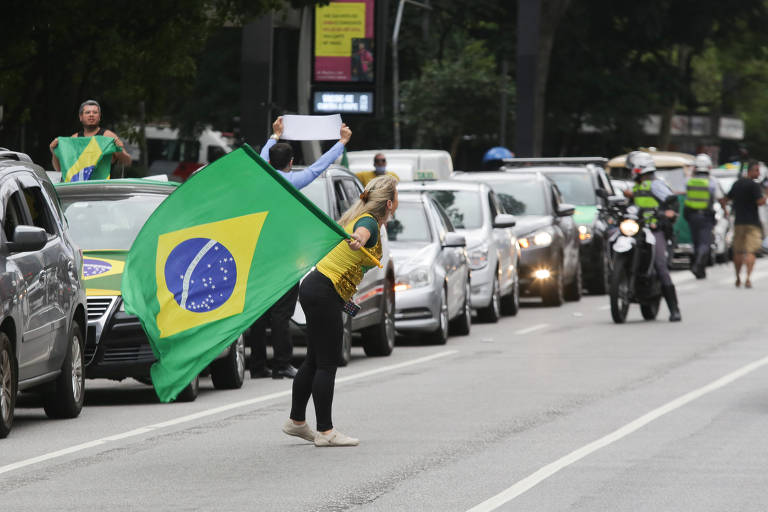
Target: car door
570	234
450	258
57	262
35	344
504	245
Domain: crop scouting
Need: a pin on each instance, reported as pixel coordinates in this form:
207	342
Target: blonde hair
373	200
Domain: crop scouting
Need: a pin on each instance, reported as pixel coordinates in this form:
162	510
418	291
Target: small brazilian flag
85	158
214	256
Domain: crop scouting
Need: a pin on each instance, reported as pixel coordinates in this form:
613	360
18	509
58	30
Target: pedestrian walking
277	317
746	195
701	193
324	294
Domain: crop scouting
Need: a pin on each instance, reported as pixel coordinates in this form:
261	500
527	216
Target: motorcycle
633	276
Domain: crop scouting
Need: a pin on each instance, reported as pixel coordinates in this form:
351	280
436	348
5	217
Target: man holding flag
83	156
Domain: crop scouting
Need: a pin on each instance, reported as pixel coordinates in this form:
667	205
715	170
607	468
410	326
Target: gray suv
43	301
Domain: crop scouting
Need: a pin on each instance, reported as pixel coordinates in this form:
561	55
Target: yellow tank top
345	267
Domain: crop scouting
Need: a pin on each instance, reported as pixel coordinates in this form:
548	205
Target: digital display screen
329	102
344	36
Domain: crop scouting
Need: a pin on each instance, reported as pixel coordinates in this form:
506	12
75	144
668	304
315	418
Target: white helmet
639	163
702	163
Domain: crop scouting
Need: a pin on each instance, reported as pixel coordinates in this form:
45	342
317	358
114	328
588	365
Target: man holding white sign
280	156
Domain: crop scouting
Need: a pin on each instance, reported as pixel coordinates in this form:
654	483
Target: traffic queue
462	247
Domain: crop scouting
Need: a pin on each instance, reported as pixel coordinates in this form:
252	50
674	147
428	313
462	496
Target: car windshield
409	224
462	206
577	188
315	192
520	197
108	223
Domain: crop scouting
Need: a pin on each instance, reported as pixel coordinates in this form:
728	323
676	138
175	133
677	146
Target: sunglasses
380	160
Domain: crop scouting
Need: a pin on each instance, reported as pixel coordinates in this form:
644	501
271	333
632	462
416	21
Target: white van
408	164
175	157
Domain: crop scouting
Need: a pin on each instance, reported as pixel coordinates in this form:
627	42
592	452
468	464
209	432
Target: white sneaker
302	431
335	438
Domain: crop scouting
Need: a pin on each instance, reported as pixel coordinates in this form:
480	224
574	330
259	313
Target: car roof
549	169
122	186
332	170
504	175
452	184
17	161
660	159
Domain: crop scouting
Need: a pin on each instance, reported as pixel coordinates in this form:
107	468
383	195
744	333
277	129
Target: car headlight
629	227
540	239
478	257
585	233
419	276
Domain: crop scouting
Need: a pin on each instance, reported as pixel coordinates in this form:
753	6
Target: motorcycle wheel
650	309
619	291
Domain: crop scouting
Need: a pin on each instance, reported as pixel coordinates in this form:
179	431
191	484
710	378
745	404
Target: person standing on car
90	117
379	169
323	294
277	317
746	195
654	197
701	193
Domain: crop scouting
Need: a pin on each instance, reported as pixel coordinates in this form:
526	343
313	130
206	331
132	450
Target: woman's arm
359	238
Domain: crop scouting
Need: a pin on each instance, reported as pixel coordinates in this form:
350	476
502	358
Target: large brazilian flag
214	256
85	158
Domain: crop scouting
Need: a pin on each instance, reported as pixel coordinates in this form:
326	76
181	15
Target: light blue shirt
304	177
661	190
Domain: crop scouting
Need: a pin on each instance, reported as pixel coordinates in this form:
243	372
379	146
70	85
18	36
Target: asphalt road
555	409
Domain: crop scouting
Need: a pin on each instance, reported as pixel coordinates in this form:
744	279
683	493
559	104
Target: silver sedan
432	285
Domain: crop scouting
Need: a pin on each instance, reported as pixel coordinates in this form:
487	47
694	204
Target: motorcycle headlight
478	257
585	233
629	227
420	276
542	239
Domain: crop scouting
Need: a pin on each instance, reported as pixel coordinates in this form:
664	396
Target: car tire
440	336
553	293
510	304
462	324
190	392
346	340
229	372
379	340
68	395
573	290
8	385
492	312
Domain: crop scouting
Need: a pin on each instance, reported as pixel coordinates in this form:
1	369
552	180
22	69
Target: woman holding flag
324	294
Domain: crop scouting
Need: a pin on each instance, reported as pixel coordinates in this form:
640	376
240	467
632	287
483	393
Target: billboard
344	37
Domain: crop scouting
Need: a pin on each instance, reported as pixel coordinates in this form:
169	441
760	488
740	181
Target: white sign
731	128
311	127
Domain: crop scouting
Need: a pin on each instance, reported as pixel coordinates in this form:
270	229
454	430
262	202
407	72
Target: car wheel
346	340
379	340
492	312
189	393
8	385
461	325
553	293
440	336
573	290
229	372
66	400
510	304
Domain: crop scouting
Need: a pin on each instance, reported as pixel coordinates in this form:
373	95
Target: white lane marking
532	329
208	412
550	469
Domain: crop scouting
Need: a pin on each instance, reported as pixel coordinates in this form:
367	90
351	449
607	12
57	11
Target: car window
409	224
108	223
520	197
352	189
42	216
315	192
13	215
576	188
342	200
462	206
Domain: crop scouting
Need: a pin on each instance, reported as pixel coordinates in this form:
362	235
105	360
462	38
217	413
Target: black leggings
322	307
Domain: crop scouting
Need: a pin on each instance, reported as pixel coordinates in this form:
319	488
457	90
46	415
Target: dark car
579	185
42	328
104	218
334	192
546	233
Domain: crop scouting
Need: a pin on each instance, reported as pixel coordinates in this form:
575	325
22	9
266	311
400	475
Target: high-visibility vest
645	200
697	194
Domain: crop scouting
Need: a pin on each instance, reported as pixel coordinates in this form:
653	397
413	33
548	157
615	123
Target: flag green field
214	256
85	158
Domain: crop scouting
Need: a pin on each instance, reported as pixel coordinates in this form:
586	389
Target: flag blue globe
201	274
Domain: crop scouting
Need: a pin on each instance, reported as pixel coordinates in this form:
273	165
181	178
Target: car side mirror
565	210
601	192
454	240
504	220
617	200
27	239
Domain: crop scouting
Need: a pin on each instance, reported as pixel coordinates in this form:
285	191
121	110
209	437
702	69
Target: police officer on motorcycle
701	193
654	198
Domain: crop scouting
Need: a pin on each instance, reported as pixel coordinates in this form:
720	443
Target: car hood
585	215
103	272
530	223
410	255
